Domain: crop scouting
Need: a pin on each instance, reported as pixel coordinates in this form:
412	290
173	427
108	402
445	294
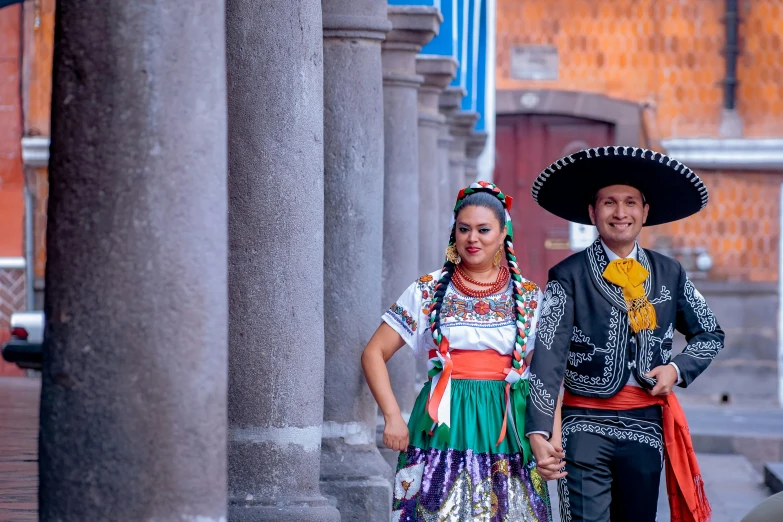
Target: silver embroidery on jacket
540	397
706	350
575	358
666	353
614	358
700	308
665	296
552	311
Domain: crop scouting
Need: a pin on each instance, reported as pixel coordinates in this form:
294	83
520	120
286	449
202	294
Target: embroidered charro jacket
585	342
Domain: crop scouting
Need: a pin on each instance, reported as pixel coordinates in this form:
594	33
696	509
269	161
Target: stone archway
624	116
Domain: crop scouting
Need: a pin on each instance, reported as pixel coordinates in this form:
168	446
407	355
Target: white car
25	346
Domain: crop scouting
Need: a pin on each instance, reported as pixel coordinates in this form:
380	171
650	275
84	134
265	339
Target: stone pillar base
357	479
299	511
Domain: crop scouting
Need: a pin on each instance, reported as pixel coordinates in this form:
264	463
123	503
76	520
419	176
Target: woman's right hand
549	458
395	433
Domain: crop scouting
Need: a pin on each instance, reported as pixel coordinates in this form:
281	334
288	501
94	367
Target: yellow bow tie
630	275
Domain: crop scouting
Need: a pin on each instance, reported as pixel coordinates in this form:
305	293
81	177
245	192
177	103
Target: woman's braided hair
524	292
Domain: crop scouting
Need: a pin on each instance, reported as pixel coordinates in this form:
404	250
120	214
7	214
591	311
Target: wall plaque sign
534	62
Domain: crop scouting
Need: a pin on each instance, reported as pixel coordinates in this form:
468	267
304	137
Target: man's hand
666	376
395	433
549	459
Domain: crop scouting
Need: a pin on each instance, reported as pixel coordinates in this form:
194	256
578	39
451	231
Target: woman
464	455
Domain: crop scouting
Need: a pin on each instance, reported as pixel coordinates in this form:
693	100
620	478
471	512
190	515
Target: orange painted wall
11	177
740	227
11	174
667	56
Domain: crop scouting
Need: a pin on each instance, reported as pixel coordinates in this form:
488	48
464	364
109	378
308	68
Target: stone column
446	197
412	28
460	124
473	149
276	207
352	470
133	400
437	71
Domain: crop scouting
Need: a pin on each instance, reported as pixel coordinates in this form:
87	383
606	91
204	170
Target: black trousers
614	461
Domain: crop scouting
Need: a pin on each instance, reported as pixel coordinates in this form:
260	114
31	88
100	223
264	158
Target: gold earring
498	257
452	255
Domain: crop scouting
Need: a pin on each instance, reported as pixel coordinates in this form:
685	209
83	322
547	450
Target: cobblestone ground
733	485
19	399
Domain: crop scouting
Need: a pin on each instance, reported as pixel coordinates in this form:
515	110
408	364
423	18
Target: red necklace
499	285
472	281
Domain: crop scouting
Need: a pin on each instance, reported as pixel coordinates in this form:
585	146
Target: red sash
685	487
485	365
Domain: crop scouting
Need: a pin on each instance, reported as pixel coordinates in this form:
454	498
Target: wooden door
524	146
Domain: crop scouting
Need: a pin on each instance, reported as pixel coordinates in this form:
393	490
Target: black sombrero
568	186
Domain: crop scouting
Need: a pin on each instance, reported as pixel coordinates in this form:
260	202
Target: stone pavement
734	485
755	432
19	398
746	419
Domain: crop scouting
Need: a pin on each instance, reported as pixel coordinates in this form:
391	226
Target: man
605	332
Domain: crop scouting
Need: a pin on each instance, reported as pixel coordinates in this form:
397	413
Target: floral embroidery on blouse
426	283
471	322
530	286
497	310
403	317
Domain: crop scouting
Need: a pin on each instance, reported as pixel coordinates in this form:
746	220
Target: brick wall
11	178
12	295
667	56
740	227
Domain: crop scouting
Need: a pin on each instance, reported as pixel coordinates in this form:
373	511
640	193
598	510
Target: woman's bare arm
384	343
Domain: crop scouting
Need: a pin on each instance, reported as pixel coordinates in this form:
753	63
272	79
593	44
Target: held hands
549	458
395	433
666	376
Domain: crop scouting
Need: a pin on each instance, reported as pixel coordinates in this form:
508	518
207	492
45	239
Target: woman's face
479	236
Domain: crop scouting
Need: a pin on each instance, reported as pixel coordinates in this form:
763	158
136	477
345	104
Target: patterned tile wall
740	227
12	299
668	57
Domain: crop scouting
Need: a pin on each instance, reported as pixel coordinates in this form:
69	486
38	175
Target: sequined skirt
466	477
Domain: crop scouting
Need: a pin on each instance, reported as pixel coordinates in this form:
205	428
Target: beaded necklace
499	285
472	281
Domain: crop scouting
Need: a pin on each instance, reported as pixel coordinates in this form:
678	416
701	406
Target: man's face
619	214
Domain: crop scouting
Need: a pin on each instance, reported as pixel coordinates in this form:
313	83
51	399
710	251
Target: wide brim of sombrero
568	186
